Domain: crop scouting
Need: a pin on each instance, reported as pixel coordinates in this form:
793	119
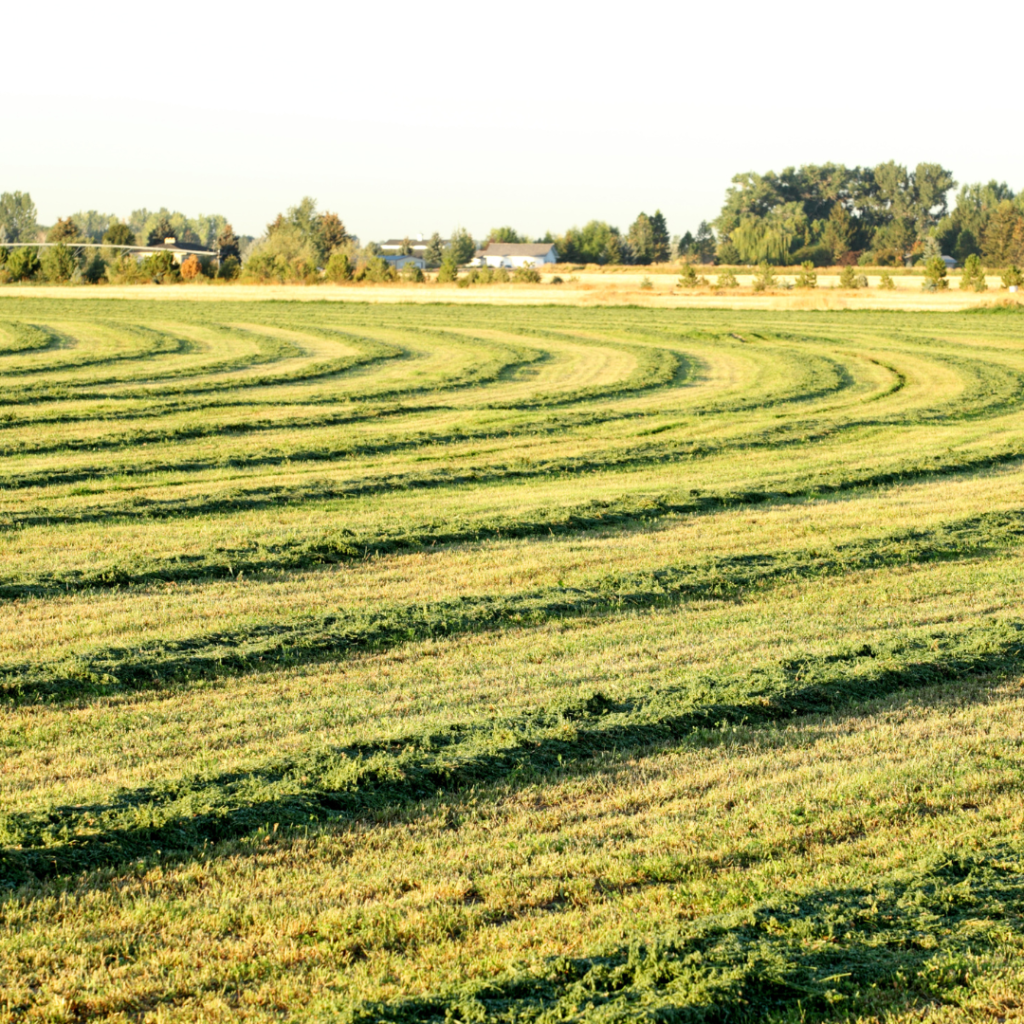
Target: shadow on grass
184	817
912	939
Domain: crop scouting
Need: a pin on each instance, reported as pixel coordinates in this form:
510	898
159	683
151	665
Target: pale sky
416	117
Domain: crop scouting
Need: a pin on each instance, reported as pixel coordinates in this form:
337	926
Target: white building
515	254
403	260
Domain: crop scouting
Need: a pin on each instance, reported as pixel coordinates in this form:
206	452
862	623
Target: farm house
515	254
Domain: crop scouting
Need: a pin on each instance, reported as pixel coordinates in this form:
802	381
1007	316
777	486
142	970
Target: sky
410	118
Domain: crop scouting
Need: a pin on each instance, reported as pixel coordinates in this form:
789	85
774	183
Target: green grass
470	663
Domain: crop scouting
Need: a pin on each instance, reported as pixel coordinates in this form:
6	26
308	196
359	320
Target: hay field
390	662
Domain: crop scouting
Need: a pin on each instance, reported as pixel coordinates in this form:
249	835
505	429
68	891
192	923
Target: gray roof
517	248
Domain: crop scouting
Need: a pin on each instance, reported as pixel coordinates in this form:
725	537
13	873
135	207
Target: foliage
461	246
685	245
449	270
704	244
227	243
161	229
885	282
526	274
935	274
1013	277
641	240
500	275
17	217
191	268
596	242
413	273
505	234
161	268
378	270
22	263
339	268
58	263
687	276
765	277
849	278
229	269
63	231
838	232
1002	241
807	278
726	279
435	250
661	250
646	284
92	224
973	276
119	234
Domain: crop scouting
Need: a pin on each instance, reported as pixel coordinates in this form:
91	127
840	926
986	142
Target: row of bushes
63	264
935	277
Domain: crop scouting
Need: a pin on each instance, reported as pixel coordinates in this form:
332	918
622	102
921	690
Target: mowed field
384	662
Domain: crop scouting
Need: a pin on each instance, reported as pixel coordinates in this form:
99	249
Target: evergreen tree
973	276
119	234
461	246
660	248
17	217
160	231
227	243
62	231
435	249
704	243
685	246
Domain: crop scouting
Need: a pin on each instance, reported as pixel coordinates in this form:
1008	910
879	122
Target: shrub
500	275
935	274
23	264
807	278
161	268
379	270
688	277
848	278
765	278
191	268
886	282
973	276
726	279
1012	276
265	266
58	264
339	268
556	280
463	282
4	253
124	269
527	275
229	268
866	259
647	284
449	270
412	272
818	255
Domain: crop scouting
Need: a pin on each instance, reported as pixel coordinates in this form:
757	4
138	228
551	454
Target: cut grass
481	663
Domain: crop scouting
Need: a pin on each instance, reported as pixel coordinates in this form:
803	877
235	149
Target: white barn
515	254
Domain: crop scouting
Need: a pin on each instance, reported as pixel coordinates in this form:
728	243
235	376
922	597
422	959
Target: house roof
517	248
416	243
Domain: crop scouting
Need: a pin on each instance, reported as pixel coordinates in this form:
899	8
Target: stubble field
386	662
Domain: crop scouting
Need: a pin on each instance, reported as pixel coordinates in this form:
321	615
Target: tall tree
685	246
838	232
640	238
704	244
1002	243
227	242
461	246
333	236
160	231
17	217
119	234
435	249
505	234
660	247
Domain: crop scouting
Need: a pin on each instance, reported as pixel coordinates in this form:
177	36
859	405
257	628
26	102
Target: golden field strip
480	660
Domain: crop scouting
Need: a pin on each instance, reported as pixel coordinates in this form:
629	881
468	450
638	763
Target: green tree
405	249
935	274
688	277
17	217
1013	277
660	247
332	234
58	263
92	224
227	243
765	277
1003	240
685	246
505	234
973	276
63	231
435	250
640	239
726	279
966	244
339	268
119	234
704	243
22	263
160	230
807	278
461	246
838	232
449	268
